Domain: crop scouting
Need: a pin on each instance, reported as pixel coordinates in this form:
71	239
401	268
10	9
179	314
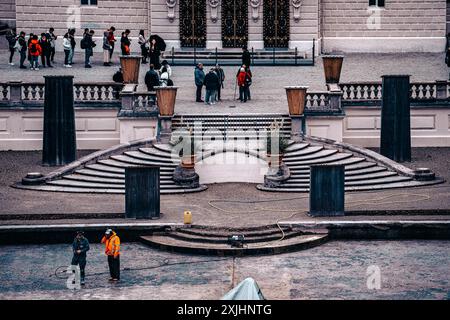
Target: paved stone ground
15	165
268	95
335	270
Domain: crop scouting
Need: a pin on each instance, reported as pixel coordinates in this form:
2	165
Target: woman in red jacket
242	85
35	51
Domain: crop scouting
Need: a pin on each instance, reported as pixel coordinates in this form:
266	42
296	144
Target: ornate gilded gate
193	23
234	23
276	23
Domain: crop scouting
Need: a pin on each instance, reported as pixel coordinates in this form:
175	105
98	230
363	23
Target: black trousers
11	54
198	93
45	57
23	56
243	93
219	88
52	54
114	267
80	260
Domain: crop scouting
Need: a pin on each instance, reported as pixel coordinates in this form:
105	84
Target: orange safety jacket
112	245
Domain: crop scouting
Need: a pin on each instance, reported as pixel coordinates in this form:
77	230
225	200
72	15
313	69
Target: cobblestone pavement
15	165
268	94
335	270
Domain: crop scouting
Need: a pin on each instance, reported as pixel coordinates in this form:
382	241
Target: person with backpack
35	51
125	43
151	78
112	41
46	50
88	45
12	40
22	48
106	50
67	48
28	47
52	38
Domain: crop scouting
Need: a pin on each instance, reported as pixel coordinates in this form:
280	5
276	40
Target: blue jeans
34	61
87	56
210	96
71	55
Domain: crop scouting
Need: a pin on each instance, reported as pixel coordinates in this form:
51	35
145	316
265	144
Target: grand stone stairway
105	174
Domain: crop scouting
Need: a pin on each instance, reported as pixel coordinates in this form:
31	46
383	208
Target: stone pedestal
59	141
142	197
327	190
276	176
298	127
395	118
164	129
186	177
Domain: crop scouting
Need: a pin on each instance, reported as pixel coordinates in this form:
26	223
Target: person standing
199	76
89	45
248	81
164	77
52	38
72	44
221	76
22	49
67	48
246	57
151	78
46	51
165	64
112	41
106	49
154	54
242	86
112	250
35	51
80	247
143	44
12	39
211	83
125	43
30	38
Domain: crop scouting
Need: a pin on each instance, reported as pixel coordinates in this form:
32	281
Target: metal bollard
59	141
327	190
395	142
142	198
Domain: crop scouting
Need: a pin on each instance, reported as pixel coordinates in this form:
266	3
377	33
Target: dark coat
151	80
246	58
211	81
82	245
199	76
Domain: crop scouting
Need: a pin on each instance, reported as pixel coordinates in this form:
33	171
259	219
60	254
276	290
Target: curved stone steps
348	173
300	242
86	184
71	189
127	160
138	155
156	153
224	233
303	152
296	147
364	177
322	154
121	181
99	173
304	183
332	157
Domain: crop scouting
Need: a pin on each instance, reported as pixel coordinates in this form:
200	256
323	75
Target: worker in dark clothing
80	246
151	78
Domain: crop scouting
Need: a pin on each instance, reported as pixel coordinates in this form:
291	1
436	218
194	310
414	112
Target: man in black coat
211	83
246	58
80	246
152	80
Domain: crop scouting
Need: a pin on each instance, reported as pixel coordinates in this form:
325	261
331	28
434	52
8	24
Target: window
88	2
376	3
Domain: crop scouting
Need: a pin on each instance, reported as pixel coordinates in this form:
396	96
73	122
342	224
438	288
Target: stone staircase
364	171
216	241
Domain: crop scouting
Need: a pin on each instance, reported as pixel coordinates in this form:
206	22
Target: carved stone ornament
171	9
214	4
297	4
255	9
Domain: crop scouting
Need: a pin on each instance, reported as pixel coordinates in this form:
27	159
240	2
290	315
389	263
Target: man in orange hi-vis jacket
112	250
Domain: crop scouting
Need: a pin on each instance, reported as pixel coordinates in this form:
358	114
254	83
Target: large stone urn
296	98
165	98
130	68
332	66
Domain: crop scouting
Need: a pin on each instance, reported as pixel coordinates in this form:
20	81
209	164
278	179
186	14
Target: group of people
162	77
214	80
80	247
44	46
32	48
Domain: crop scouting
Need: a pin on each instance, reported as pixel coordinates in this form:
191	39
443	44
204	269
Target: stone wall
403	25
7	10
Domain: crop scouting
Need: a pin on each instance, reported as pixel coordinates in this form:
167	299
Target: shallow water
335	270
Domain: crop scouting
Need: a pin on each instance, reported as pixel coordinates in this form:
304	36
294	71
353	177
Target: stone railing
137	104
323	102
372	91
25	93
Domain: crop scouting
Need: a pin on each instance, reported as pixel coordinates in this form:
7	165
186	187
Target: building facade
335	25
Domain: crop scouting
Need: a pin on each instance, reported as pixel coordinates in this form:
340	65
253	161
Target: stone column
395	118
335	96
165	129
142	193
441	89
59	142
327	190
15	92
